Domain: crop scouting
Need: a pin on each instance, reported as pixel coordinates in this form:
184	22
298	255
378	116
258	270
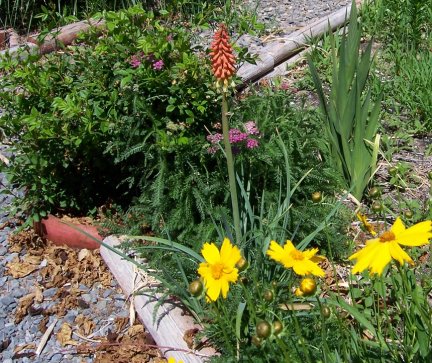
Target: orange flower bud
223	60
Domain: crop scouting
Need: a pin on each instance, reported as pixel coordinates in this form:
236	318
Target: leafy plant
351	125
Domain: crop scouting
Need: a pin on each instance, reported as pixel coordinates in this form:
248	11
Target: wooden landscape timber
269	58
278	52
170	326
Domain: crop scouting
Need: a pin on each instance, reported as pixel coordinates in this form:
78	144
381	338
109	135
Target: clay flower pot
69	234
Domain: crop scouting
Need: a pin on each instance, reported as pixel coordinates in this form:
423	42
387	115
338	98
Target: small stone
101	305
7	300
50	292
3	250
8	360
87	298
11	256
119	297
56	357
106	293
17	293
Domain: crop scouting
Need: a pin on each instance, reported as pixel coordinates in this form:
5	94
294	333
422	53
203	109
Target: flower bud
242	264
277	327
263	329
317	197
308	286
196	288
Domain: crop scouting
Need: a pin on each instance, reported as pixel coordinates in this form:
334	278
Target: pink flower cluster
237	138
136	60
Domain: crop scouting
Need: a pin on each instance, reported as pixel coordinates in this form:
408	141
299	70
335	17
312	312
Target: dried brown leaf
18	269
24	303
64	335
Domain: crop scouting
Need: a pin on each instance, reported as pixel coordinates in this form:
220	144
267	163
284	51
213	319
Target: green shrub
72	114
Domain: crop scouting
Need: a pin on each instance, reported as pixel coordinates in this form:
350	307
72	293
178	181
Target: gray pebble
87	298
56	357
50	292
17	293
3	250
7	355
14	284
10	256
106	293
101	305
119	297
7	300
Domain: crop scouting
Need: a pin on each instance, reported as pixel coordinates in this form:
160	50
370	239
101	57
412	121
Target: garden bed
248	326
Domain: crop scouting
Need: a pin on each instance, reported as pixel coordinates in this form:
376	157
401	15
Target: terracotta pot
60	233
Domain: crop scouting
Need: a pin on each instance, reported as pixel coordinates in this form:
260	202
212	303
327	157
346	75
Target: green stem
230	166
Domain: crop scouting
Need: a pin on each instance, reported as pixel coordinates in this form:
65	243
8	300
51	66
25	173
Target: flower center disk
217	270
297	255
387	236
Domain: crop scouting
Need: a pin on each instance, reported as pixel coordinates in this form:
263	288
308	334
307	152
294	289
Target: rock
106	293
50	292
3	250
17	293
87	298
101	305
7	300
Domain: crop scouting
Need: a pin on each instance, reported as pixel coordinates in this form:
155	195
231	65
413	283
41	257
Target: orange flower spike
222	57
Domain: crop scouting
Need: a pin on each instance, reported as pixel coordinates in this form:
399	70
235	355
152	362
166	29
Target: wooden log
65	35
170	324
278	52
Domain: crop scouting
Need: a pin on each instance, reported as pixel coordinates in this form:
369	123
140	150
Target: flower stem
230	166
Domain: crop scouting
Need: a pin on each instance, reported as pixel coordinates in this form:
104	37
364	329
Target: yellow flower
366	224
219	268
378	252
302	262
172	360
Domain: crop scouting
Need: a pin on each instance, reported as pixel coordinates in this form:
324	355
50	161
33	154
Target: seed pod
263	329
242	264
325	311
392	170
408	214
268	295
377	206
196	288
256	341
317	197
277	327
374	192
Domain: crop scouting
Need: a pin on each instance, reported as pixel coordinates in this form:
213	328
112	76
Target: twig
45	337
86	339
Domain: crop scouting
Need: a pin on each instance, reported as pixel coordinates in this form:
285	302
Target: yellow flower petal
214	289
417	235
399	254
381	260
210	253
398	226
229	254
275	251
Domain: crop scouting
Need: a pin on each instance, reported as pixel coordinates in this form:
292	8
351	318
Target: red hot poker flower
223	60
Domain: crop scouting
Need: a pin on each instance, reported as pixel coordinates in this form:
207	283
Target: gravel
281	17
